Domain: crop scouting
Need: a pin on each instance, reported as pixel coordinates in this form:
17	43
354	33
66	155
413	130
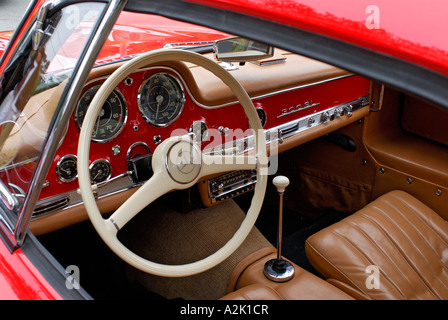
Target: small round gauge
161	99
262	115
66	169
100	170
112	116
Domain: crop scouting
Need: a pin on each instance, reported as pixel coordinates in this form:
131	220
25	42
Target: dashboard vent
287	130
48	206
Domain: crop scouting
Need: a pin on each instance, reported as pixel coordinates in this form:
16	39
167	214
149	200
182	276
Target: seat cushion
394	248
248	282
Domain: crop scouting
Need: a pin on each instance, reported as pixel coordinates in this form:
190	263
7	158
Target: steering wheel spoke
151	190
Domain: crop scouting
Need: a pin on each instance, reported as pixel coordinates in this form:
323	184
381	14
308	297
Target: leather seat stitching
382	252
412	244
414	211
351	244
276	292
347	279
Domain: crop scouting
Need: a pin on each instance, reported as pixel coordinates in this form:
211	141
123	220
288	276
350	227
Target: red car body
409	31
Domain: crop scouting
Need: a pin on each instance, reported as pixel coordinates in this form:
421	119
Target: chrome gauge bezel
96	162
124	115
59	164
262	116
179	110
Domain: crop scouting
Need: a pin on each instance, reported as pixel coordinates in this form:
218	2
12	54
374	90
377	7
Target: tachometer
161	99
111	119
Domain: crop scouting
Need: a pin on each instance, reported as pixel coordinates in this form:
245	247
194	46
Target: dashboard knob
348	110
337	113
223	130
325	117
311	121
280	182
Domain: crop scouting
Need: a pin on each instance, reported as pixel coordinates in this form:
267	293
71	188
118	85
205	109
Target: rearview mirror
238	49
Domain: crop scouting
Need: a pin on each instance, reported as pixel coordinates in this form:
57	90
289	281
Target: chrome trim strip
277	133
103	190
66	107
18	164
9	200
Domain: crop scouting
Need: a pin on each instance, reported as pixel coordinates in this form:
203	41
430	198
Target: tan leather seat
397	234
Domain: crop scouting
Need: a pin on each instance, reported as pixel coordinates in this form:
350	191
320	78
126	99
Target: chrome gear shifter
279	270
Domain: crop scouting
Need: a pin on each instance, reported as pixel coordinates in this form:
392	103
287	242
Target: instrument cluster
160	99
143	110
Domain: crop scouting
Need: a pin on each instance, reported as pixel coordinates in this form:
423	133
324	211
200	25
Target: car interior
346	144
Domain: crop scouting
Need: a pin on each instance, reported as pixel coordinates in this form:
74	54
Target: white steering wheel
168	173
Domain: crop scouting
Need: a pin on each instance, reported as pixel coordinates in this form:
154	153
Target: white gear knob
280	182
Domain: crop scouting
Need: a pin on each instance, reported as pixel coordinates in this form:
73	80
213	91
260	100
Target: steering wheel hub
183	162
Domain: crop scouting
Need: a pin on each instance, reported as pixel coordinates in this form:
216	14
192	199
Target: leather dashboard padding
210	91
425	120
296	71
404	239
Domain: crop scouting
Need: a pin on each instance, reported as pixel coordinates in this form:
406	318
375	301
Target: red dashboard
129	129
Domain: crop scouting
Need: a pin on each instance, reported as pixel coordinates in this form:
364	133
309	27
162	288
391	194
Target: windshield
32	85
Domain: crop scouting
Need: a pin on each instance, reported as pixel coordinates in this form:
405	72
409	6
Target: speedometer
111	119
161	99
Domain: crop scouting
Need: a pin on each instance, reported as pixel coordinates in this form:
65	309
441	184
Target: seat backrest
394	248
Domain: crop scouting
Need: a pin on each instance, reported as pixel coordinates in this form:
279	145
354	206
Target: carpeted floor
172	237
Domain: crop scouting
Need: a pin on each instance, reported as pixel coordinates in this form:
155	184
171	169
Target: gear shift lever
279	270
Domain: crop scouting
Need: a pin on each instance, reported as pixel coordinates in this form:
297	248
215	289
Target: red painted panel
409	30
19	278
28	21
5	36
135	33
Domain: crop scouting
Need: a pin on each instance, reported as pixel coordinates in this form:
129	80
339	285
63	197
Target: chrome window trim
67	104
